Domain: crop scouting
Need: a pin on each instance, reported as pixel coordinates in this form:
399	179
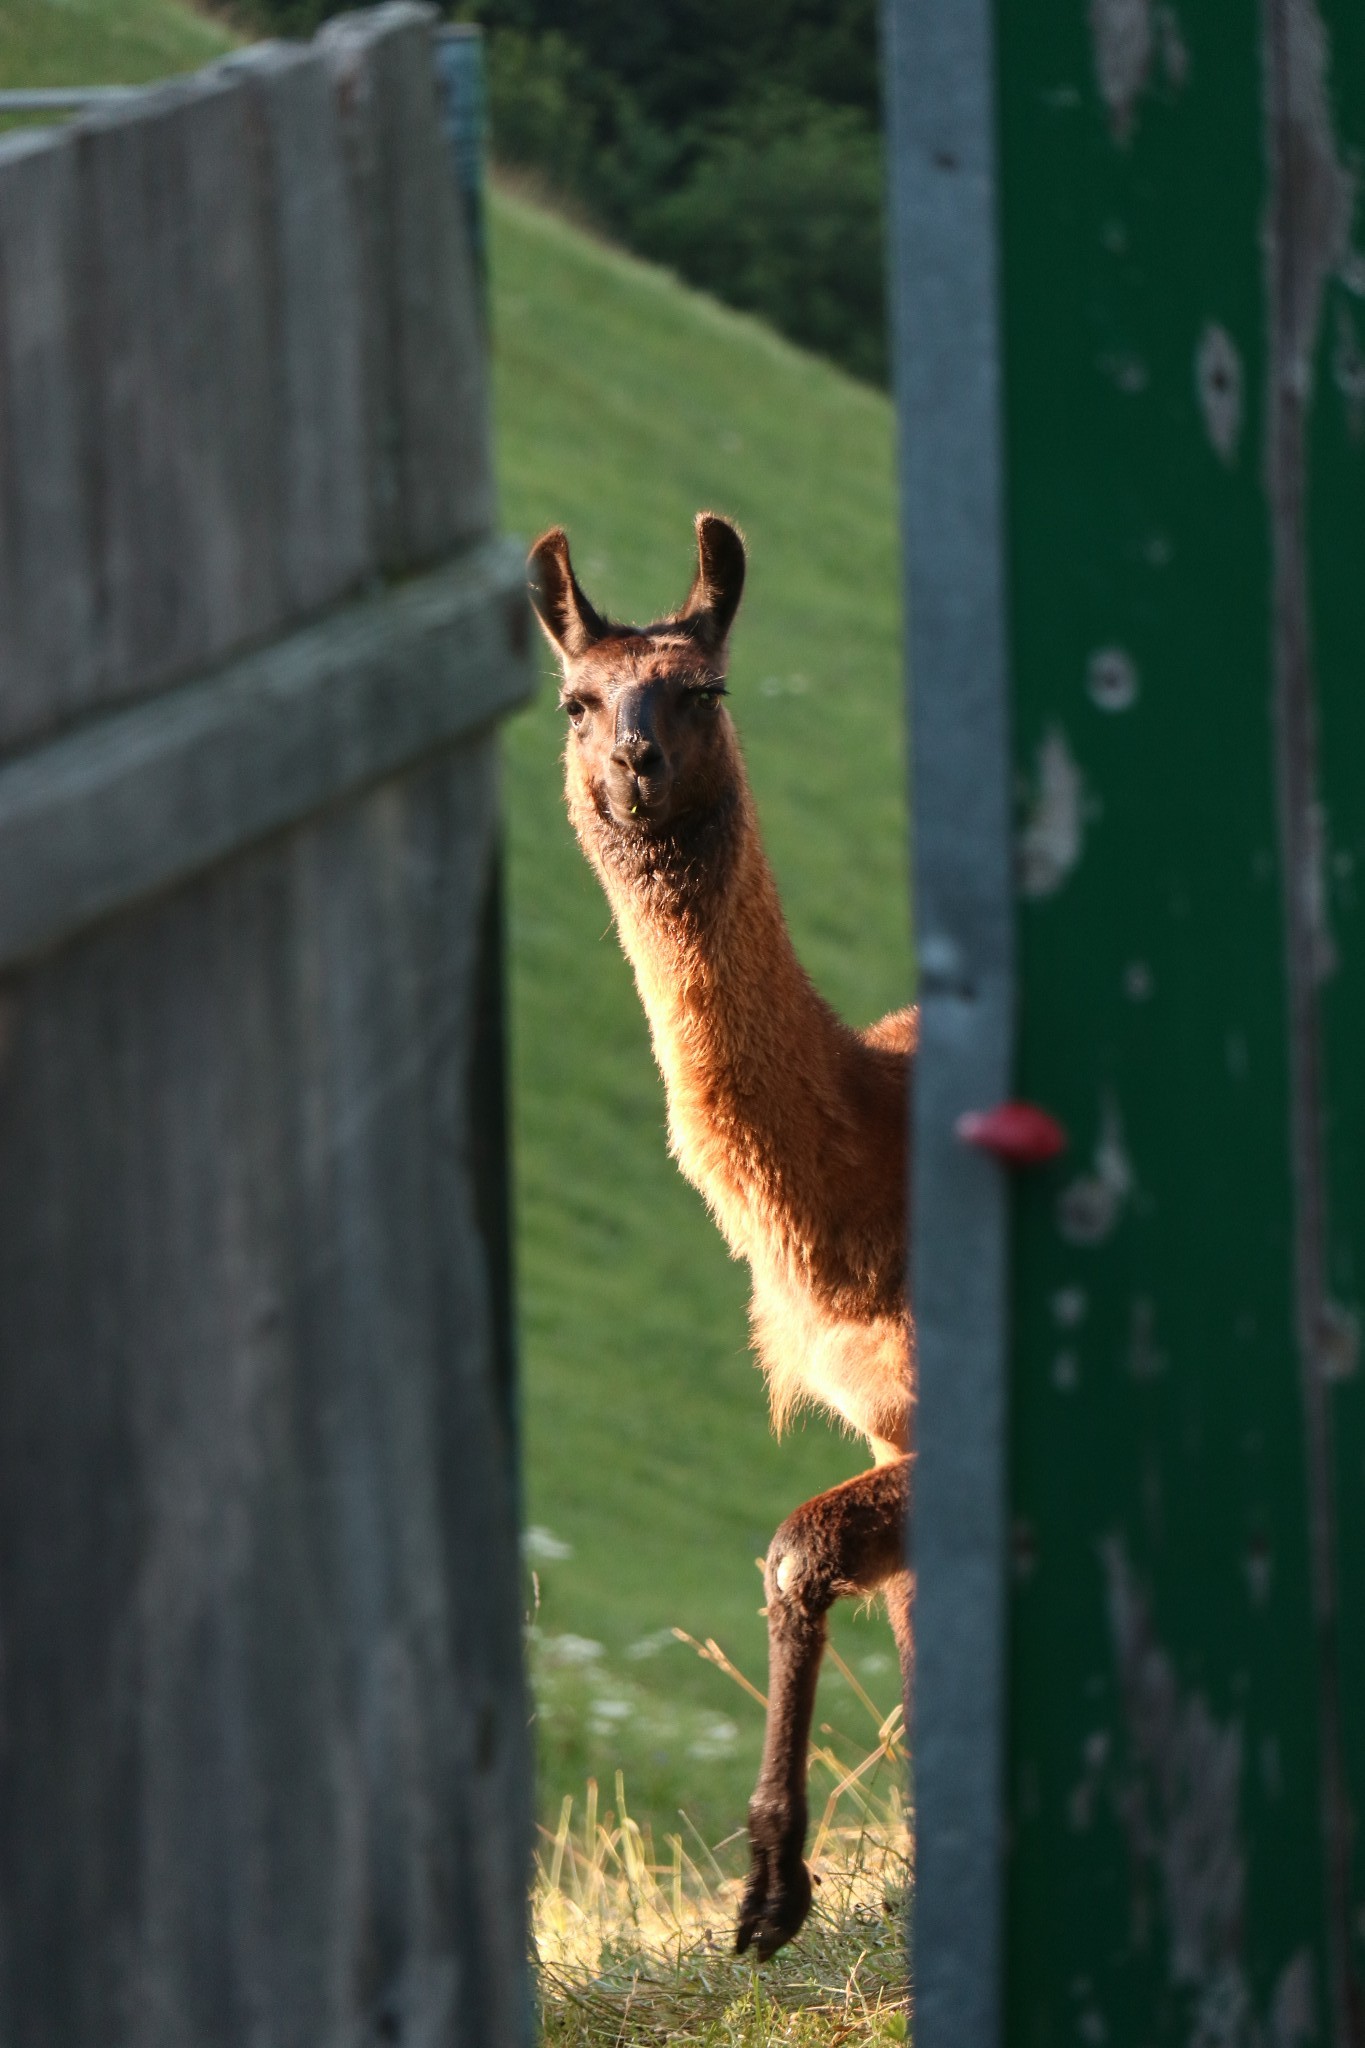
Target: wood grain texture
432	478
241	364
317	325
265	1734
48	651
264	1775
177	311
149	794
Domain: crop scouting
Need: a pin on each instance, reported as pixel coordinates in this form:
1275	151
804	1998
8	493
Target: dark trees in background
737	140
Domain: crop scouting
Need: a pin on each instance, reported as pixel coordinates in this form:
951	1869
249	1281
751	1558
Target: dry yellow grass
636	1947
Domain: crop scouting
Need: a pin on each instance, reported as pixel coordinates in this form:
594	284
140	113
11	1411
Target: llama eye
575	709
709	700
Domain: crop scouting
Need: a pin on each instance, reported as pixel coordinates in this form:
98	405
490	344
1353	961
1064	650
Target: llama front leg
850	1540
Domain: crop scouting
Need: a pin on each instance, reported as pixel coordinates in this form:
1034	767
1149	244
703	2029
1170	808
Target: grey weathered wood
47	629
354	64
446	452
186	447
241	364
317	325
149	794
55	99
264	1774
432	469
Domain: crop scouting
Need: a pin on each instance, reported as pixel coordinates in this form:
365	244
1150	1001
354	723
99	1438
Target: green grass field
623	403
102	42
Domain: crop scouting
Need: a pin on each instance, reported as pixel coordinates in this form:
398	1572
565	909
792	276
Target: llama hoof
776	1902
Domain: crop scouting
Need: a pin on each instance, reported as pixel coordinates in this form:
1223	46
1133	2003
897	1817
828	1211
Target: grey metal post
940	86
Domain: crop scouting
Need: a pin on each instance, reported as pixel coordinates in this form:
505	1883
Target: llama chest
859	1371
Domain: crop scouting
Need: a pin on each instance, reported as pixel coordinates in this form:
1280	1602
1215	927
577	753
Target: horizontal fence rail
153	794
57	99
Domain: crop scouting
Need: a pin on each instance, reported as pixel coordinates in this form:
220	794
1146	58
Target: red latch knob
1018	1132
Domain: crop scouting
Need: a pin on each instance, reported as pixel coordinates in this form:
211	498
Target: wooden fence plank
432	471
317	324
149	794
353	64
278	383
48	653
446	452
250	1389
264	1770
186	454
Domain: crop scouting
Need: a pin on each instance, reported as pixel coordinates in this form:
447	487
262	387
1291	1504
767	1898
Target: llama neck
752	1058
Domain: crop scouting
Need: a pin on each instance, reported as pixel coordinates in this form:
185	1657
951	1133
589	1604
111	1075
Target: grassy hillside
102	42
623	404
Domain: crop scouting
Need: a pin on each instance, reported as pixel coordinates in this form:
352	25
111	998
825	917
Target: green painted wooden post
1174	293
1333	442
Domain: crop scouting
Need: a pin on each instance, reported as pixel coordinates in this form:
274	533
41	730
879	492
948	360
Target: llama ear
718	584
569	622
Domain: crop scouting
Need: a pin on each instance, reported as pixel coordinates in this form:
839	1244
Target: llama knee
849	1541
795	1576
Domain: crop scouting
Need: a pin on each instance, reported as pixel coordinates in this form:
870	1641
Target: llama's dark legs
850	1540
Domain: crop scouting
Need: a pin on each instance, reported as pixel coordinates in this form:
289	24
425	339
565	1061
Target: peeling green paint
1185	434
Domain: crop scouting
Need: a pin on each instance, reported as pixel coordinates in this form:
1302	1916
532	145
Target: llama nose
636	748
638	752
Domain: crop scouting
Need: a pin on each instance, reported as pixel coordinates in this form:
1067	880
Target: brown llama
792	1125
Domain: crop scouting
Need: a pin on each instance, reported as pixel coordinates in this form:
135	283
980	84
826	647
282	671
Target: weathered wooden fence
1131	267
263	1764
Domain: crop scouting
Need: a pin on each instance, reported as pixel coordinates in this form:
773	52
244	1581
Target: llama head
650	743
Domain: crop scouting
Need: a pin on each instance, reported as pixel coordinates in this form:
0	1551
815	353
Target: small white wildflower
716	1737
571	1649
650	1646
